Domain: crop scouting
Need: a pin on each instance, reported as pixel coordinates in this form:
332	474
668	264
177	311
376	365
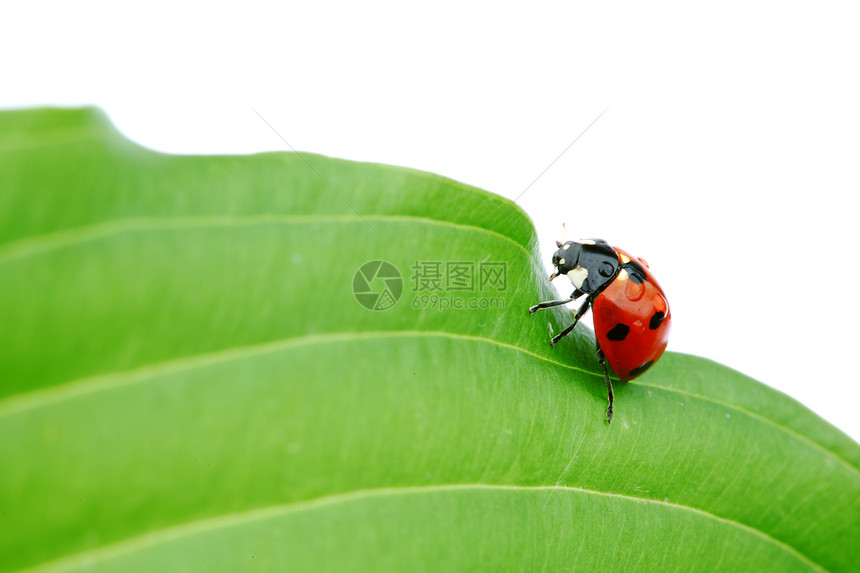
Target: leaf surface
187	382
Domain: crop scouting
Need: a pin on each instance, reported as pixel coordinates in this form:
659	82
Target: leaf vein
202	526
72	389
38	244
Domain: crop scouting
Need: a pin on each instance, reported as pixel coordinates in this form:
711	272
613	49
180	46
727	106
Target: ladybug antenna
559	244
563	233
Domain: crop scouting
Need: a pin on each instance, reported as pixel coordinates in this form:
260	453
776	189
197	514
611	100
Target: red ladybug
631	313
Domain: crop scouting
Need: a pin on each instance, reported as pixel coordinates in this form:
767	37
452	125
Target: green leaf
188	382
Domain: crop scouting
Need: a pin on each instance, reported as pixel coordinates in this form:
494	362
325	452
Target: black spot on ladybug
640	369
618	332
656	320
635	272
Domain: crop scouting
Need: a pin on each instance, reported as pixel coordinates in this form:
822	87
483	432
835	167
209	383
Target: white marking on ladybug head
560	262
622	276
586	242
577	276
566	246
624	258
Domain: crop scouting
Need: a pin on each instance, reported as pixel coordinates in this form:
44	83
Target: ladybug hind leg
601	357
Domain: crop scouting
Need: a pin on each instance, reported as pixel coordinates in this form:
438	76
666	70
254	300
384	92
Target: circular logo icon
377	285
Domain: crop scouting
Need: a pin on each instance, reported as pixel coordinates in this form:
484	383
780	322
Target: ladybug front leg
601	357
581	311
550	303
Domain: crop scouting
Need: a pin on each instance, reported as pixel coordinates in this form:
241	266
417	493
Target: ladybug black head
590	264
566	257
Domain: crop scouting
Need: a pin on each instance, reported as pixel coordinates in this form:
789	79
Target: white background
727	157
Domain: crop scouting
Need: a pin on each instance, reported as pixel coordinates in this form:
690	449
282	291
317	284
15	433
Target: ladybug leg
550	303
576	317
601	357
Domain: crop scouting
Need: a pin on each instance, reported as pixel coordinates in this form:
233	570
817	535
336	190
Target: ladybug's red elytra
631	314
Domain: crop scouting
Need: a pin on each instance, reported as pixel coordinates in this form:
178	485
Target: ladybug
630	310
